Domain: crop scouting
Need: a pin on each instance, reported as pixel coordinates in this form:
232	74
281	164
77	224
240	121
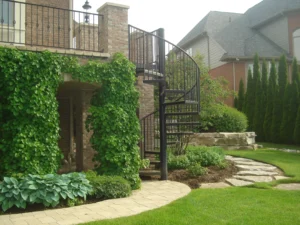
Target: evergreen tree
235	102
249	103
241	96
295	74
276	116
282	75
290	107
297	128
264	90
270	102
258	117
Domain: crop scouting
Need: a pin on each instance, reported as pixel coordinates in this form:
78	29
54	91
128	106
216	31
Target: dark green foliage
108	187
241	96
276	117
178	162
250	100
282	75
49	190
295	74
270	102
29	125
196	170
235	102
205	156
226	119
296	134
113	117
258	115
290	107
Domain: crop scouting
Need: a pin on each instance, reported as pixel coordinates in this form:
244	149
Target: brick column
114	28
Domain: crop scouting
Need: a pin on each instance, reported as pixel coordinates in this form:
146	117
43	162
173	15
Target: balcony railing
38	25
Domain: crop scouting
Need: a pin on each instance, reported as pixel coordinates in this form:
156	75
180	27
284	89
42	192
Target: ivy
113	117
29	122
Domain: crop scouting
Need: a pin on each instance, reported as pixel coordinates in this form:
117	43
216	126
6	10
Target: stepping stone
256	168
281	177
256	173
240	159
290	187
214	185
238	183
254	163
254	178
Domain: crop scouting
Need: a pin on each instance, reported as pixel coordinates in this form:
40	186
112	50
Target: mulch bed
214	175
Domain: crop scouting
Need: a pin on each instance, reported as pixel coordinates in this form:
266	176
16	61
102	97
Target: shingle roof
240	38
212	23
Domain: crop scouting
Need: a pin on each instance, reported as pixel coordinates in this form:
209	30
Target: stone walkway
152	195
250	171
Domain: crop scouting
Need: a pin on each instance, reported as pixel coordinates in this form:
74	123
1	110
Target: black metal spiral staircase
176	77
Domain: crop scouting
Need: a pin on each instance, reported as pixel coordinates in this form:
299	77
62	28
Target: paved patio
152	195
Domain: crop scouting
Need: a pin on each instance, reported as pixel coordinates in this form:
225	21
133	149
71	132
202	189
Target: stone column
113	28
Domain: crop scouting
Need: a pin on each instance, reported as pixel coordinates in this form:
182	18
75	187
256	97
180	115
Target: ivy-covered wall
29	128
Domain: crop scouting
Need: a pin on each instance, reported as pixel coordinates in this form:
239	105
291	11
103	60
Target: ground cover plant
234	205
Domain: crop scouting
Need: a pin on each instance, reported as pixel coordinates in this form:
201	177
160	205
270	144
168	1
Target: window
6	12
189	51
296	38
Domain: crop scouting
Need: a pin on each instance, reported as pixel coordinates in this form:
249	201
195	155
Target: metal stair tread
182	113
181	102
182	123
180	133
149	172
152	152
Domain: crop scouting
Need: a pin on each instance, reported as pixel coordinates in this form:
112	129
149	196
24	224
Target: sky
176	17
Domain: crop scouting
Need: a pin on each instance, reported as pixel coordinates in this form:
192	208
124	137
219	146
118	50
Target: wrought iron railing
176	79
39	25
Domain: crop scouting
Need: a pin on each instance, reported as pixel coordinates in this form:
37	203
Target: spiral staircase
176	79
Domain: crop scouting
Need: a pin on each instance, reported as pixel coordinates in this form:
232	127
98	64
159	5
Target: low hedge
108	187
224	119
48	190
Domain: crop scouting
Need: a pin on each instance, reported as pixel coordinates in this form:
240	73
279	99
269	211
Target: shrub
206	156
108	187
178	162
196	170
226	119
48	189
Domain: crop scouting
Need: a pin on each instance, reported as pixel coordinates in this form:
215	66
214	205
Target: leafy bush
178	162
196	170
205	156
108	187
48	189
225	119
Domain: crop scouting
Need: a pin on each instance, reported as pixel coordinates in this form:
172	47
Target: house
229	41
38	25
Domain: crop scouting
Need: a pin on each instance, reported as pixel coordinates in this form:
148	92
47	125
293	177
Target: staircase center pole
162	119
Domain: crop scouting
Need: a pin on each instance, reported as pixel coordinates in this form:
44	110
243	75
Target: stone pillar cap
112	4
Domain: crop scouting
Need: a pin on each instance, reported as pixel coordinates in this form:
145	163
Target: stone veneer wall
228	141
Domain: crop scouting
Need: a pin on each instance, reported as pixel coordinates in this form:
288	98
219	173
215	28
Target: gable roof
212	23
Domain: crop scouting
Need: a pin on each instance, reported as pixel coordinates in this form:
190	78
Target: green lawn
232	205
272	145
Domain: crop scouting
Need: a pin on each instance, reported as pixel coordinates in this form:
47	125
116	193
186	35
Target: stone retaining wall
228	141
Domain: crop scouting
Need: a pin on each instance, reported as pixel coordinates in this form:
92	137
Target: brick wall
87	37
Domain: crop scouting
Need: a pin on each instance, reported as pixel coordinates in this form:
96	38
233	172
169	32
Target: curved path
250	171
152	195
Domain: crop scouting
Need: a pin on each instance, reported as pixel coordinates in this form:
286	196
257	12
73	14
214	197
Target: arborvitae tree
263	103
241	96
235	102
297	128
270	102
258	117
278	103
250	100
282	75
276	116
295	74
290	107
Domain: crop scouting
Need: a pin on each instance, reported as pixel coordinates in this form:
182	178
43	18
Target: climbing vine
29	125
113	117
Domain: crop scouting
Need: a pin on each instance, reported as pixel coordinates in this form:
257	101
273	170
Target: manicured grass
232	205
280	146
222	206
